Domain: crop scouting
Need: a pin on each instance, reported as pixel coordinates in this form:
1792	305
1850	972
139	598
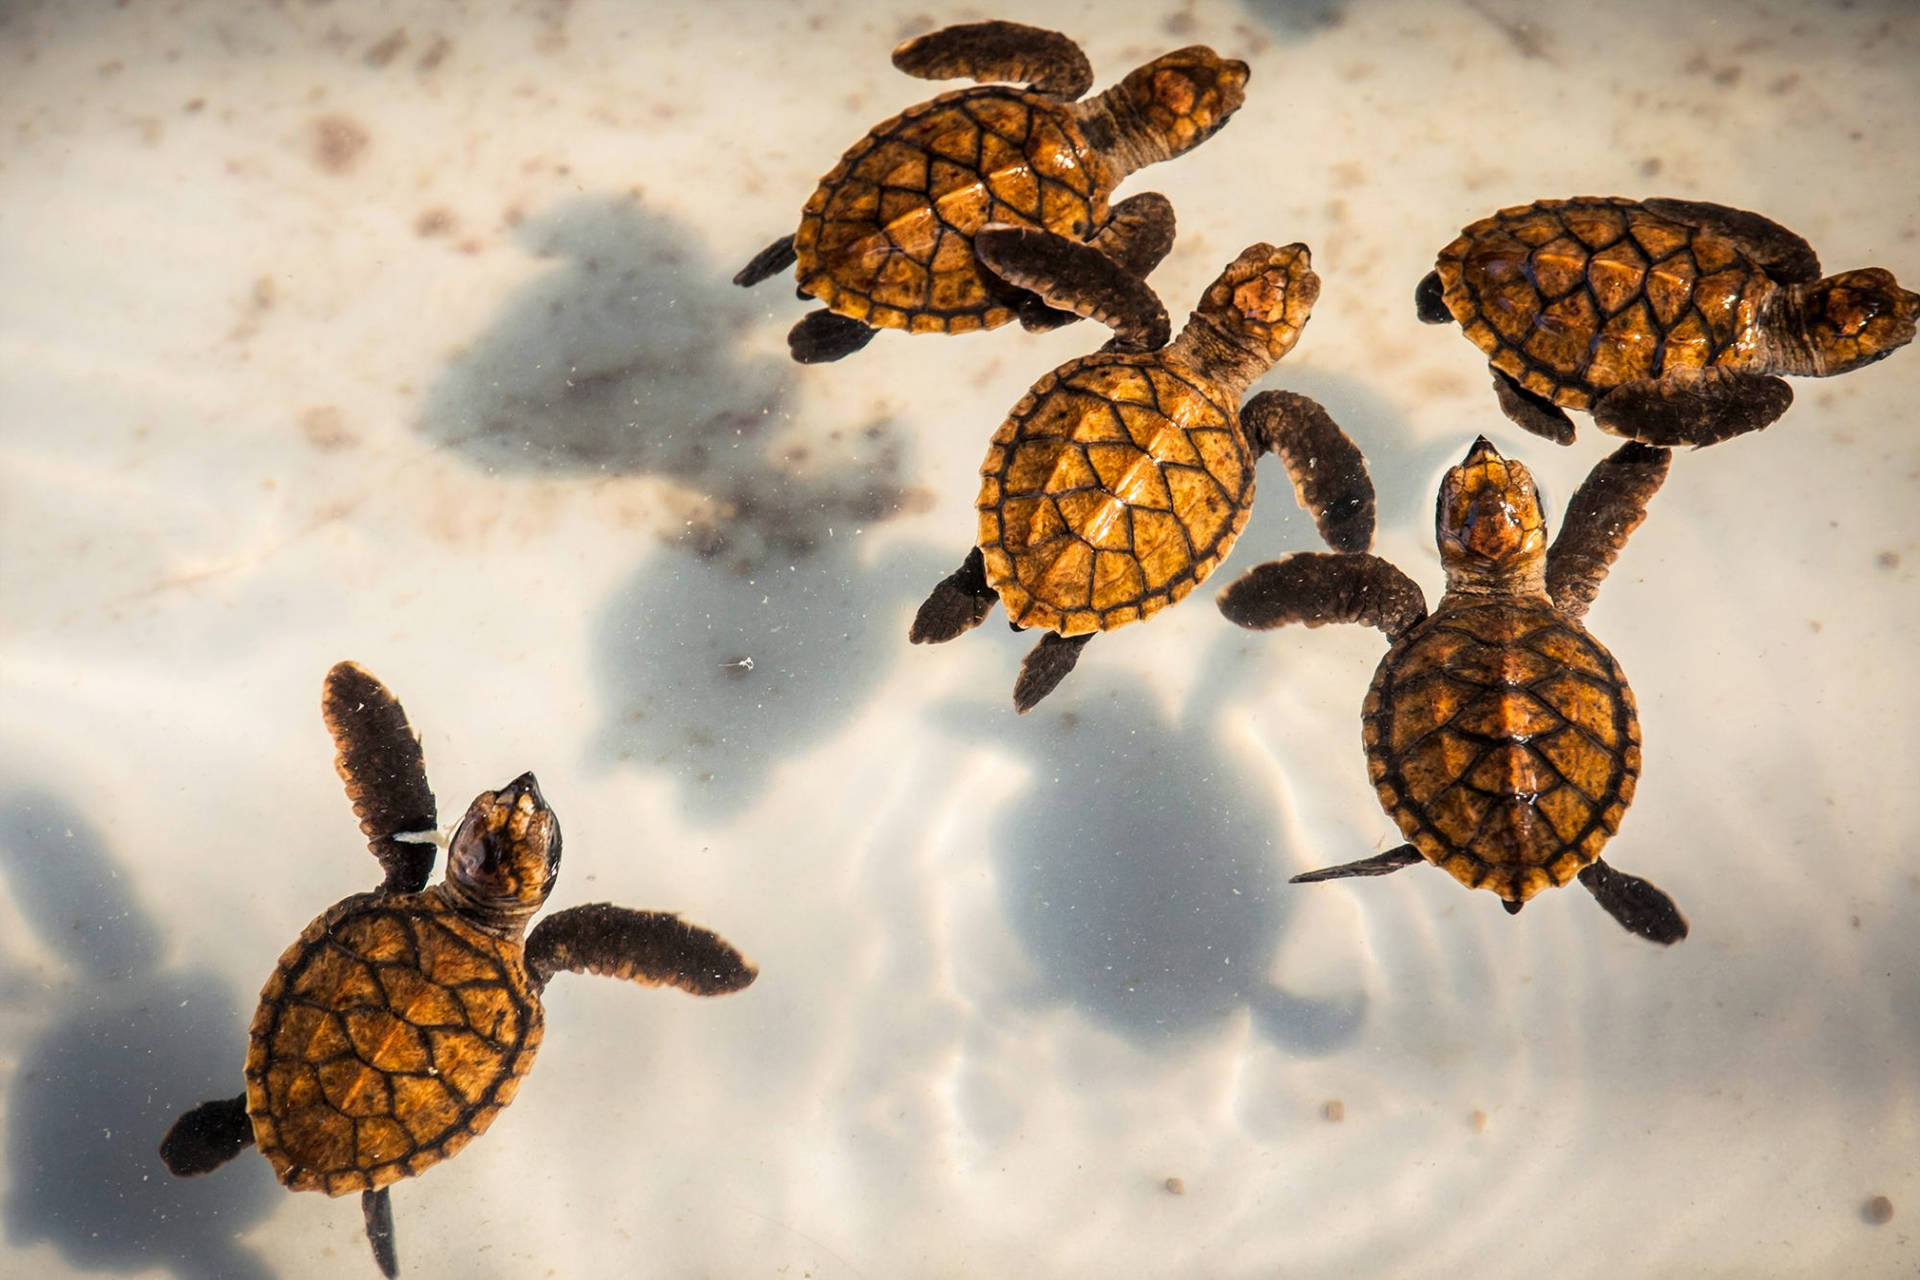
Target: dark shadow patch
128	1049
1141	865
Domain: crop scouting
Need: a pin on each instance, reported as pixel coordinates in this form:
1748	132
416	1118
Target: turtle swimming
401	1021
1667	320
886	240
1500	735
1122	478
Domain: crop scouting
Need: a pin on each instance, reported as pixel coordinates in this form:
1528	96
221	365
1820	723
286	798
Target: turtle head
1253	314
1173	104
505	854
1492	533
1855	318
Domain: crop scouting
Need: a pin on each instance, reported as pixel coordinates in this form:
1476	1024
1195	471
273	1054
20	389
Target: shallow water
404	334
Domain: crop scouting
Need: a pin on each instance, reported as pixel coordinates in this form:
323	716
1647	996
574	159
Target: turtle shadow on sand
125	1041
1140	863
757	626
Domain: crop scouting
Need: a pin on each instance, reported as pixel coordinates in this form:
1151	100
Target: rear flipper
1380	864
959	604
1702	409
377	1209
824	336
207	1137
1329	474
1046	665
1430	300
766	264
1531	411
1638	906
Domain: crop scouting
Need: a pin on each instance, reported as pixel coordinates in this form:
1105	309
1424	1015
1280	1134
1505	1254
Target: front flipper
377	1209
959	604
824	336
207	1137
654	948
766	264
1607	507
1638	906
1329	475
1533	412
1077	277
999	52
1380	864
1139	233
377	755
1697	409
1316	588
1784	256
1045	666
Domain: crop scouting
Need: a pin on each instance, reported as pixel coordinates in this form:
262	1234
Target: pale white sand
478	408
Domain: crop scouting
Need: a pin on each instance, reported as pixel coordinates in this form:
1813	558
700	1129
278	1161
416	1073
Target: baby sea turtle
1665	319
401	1021
886	241
1122	478
1500	735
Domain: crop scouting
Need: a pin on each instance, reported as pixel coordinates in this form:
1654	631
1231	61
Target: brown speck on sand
1181	24
326	430
436	53
1477	1122
387	49
194	104
337	142
1878	1211
1335	1111
1178	1187
1888	560
433	222
1651	167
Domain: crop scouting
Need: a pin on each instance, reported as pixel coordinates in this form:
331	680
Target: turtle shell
389	1037
1571	298
1110	492
1503	740
887	238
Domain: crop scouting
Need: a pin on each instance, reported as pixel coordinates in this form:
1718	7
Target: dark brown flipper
1329	474
1139	233
1429	300
1532	412
999	52
377	1209
1783	255
1638	906
1044	667
1701	409
1607	507
1316	588
824	336
959	604
377	755
1380	864
655	948
1077	277
766	264
207	1137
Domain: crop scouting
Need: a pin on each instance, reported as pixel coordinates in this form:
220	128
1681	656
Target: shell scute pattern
1575	297
390	1036
887	237
1505	744
1109	493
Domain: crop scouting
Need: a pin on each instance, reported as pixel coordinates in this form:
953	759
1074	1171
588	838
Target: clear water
403	333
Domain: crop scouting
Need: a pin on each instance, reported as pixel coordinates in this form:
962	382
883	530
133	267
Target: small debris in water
1878	1211
1479	1121
1335	1111
1178	1187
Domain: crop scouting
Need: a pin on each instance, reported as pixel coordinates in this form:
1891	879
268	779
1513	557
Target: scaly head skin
1491	531
1846	321
1166	108
1252	315
503	859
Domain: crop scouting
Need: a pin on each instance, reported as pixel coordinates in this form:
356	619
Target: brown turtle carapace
887	239
401	1021
1500	736
1665	319
1122	478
